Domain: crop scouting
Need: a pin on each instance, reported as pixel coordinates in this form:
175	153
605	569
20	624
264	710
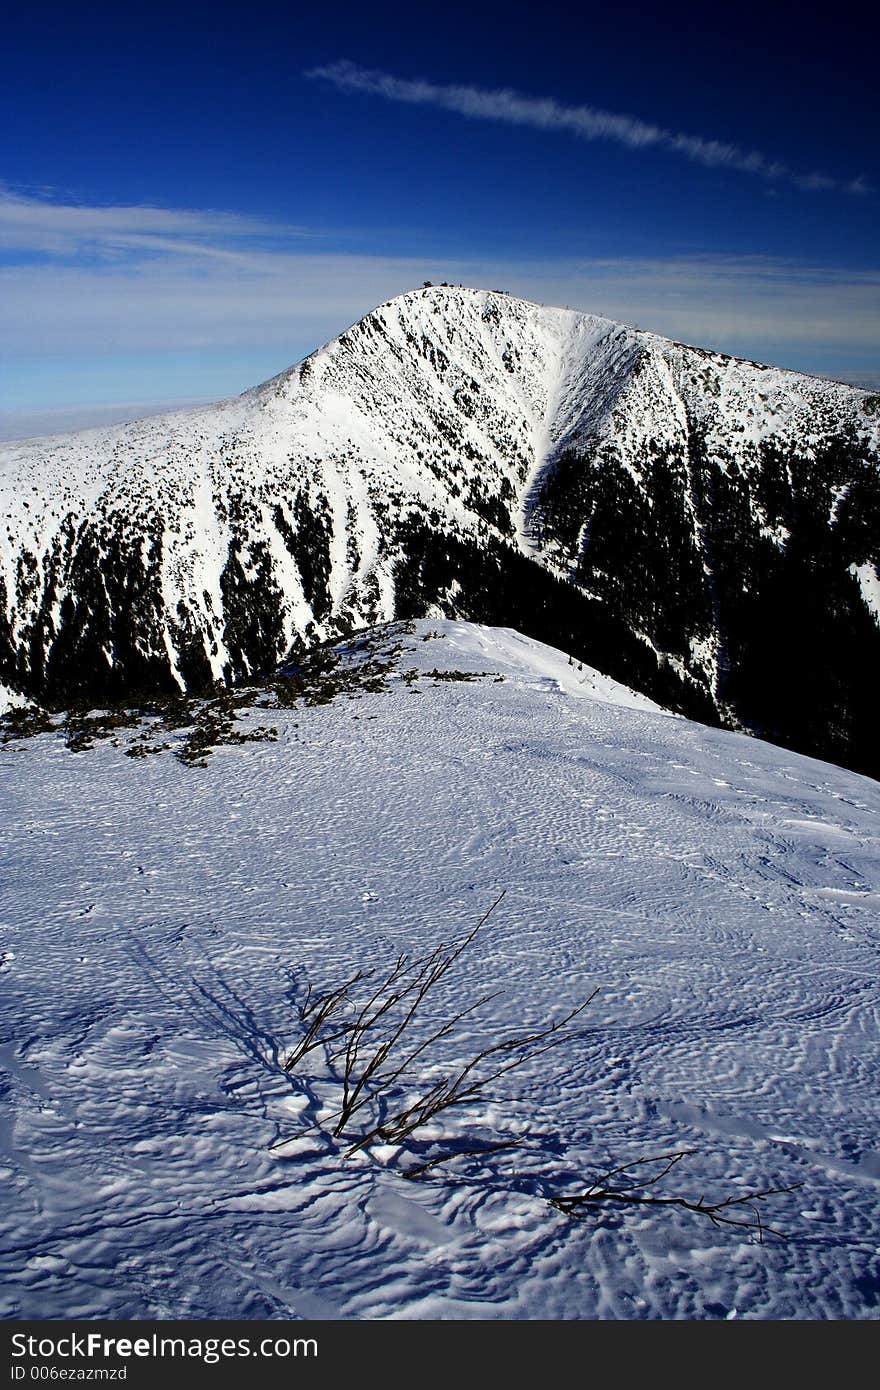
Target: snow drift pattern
161	920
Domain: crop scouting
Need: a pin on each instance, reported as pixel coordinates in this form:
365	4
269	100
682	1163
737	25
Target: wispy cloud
42	226
167	280
585	122
296	299
29	424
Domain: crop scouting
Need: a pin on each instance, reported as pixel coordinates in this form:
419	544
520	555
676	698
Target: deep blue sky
345	196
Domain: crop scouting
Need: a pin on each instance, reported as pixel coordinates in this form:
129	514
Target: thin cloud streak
32	424
585	122
128	280
293	301
37	225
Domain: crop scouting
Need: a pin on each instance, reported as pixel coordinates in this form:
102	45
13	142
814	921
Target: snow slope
159	921
466	452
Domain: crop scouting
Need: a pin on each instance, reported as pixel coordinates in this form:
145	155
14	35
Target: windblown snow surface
161	921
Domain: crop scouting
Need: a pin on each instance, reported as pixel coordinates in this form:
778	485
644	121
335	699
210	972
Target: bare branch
373	1061
422	1168
324	1006
424	973
459	1089
634	1194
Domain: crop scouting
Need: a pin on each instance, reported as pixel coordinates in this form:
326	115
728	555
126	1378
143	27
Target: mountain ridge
467	453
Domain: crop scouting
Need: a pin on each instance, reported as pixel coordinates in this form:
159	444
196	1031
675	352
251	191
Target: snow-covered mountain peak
464	451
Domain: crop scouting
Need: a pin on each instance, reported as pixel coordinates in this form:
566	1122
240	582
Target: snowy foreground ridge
162	921
702	528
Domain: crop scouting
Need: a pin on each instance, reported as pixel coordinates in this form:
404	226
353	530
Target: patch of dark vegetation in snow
26	723
457	675
215	726
363	665
322	677
82	730
209	722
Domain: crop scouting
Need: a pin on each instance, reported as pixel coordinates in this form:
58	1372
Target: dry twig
633	1192
370	1045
